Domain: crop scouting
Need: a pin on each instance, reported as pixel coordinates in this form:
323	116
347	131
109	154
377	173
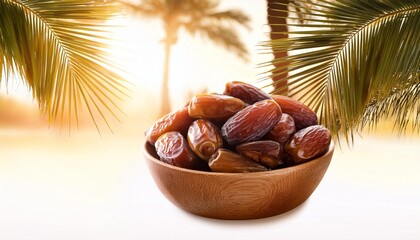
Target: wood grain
237	195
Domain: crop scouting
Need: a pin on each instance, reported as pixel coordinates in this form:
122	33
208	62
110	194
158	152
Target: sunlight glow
15	87
196	64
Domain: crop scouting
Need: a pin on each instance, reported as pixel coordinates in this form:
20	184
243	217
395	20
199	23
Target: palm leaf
60	50
214	25
197	17
147	9
234	16
355	62
222	36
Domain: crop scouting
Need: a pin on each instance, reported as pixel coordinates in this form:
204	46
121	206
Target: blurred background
82	184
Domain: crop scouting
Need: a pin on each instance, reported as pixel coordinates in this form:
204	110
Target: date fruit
247	92
265	152
216	107
224	160
283	130
173	149
176	121
308	143
242	130
303	115
204	138
251	123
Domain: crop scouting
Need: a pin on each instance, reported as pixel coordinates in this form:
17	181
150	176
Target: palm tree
59	49
355	62
277	14
196	17
276	17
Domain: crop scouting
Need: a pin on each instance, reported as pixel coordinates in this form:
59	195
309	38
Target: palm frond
147	9
302	10
59	48
395	105
234	16
214	25
348	52
1	65
223	36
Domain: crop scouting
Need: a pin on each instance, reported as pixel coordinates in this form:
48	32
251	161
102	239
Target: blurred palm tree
59	49
196	17
354	62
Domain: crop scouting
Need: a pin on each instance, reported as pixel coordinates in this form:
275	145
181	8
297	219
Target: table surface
90	187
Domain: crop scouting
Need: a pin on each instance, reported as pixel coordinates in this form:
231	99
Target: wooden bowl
237	195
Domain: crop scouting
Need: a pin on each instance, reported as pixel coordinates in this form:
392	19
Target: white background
87	187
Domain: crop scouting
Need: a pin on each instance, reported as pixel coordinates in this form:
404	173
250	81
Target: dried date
251	123
308	143
266	152
301	114
176	121
283	130
247	92
215	107
224	160
173	149
204	138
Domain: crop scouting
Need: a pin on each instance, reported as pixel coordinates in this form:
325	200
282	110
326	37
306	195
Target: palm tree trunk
276	17
165	106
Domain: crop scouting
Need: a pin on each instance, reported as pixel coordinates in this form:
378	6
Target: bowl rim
265	173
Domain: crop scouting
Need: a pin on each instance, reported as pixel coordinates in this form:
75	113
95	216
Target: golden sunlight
197	65
14	87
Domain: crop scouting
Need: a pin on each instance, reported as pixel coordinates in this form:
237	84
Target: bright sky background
196	63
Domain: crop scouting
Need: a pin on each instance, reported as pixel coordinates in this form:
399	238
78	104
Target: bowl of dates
243	154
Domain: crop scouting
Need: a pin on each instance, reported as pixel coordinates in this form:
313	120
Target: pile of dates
242	130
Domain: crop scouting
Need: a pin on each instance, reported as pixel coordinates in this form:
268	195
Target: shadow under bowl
237	195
